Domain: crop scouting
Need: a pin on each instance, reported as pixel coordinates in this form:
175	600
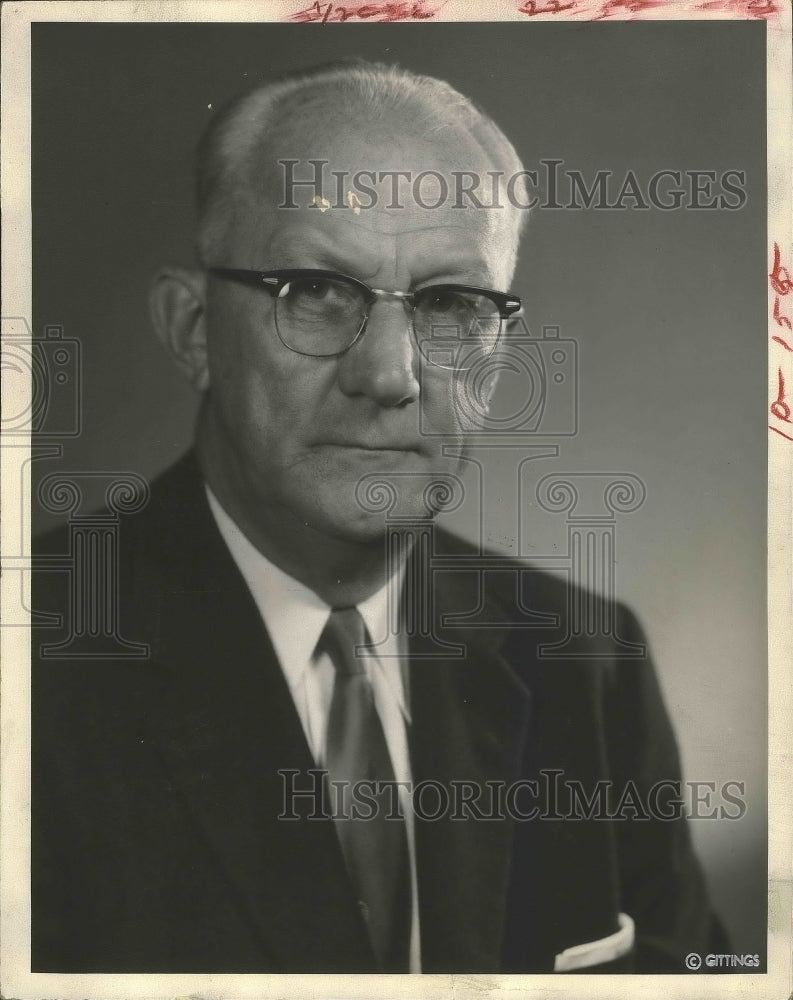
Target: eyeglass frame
274	282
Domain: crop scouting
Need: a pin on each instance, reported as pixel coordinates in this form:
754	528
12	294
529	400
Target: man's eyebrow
300	255
317	251
450	270
467	273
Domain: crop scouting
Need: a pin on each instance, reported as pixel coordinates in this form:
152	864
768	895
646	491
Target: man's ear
177	304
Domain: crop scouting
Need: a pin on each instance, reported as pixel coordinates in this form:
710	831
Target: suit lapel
469	722
506	895
224	725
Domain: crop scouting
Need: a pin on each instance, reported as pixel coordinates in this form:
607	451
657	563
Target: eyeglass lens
323	316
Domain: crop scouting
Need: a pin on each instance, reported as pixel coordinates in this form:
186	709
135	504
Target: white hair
235	140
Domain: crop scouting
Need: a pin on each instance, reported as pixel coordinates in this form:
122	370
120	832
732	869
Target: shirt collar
295	616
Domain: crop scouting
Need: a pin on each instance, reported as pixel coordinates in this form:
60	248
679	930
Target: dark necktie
375	849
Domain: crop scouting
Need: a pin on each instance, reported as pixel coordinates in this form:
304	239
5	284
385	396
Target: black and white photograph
396	486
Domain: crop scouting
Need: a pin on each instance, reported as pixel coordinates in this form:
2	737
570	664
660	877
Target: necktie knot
344	632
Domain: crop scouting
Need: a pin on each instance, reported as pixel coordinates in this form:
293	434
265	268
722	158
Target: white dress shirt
295	618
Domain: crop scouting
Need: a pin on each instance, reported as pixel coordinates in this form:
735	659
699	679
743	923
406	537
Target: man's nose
383	363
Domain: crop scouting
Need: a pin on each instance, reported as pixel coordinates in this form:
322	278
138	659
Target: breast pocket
611	954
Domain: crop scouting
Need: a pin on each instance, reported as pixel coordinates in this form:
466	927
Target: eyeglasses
321	314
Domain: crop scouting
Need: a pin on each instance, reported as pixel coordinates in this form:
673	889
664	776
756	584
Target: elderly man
241	800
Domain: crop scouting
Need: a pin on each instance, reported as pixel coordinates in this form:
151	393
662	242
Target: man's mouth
373	446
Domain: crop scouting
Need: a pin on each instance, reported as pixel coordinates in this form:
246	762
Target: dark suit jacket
156	842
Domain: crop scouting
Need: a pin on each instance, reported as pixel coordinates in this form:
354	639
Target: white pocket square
607	949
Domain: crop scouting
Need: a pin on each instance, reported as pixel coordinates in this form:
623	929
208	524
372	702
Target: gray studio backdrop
665	308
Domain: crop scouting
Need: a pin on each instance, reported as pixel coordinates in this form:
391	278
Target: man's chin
362	511
362	527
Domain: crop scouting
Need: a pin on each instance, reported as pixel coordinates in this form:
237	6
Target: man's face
301	433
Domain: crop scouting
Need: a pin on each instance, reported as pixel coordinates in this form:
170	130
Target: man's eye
444	302
318	289
321	294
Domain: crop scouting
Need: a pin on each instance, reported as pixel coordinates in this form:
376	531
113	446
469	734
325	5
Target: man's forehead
396	135
378	220
361	242
357	160
379	195
346	174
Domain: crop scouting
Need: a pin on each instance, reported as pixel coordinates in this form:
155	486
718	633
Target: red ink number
631	6
780	276
779	407
534	7
780	320
782	284
751	8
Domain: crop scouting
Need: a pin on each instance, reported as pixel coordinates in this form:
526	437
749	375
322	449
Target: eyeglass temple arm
256	278
513	308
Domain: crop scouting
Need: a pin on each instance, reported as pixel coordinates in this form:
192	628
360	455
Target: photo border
16	981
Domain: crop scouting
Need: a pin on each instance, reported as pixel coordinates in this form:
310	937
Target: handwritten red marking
779	407
598	10
534	7
782	285
781	281
382	12
780	319
758	9
632	6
